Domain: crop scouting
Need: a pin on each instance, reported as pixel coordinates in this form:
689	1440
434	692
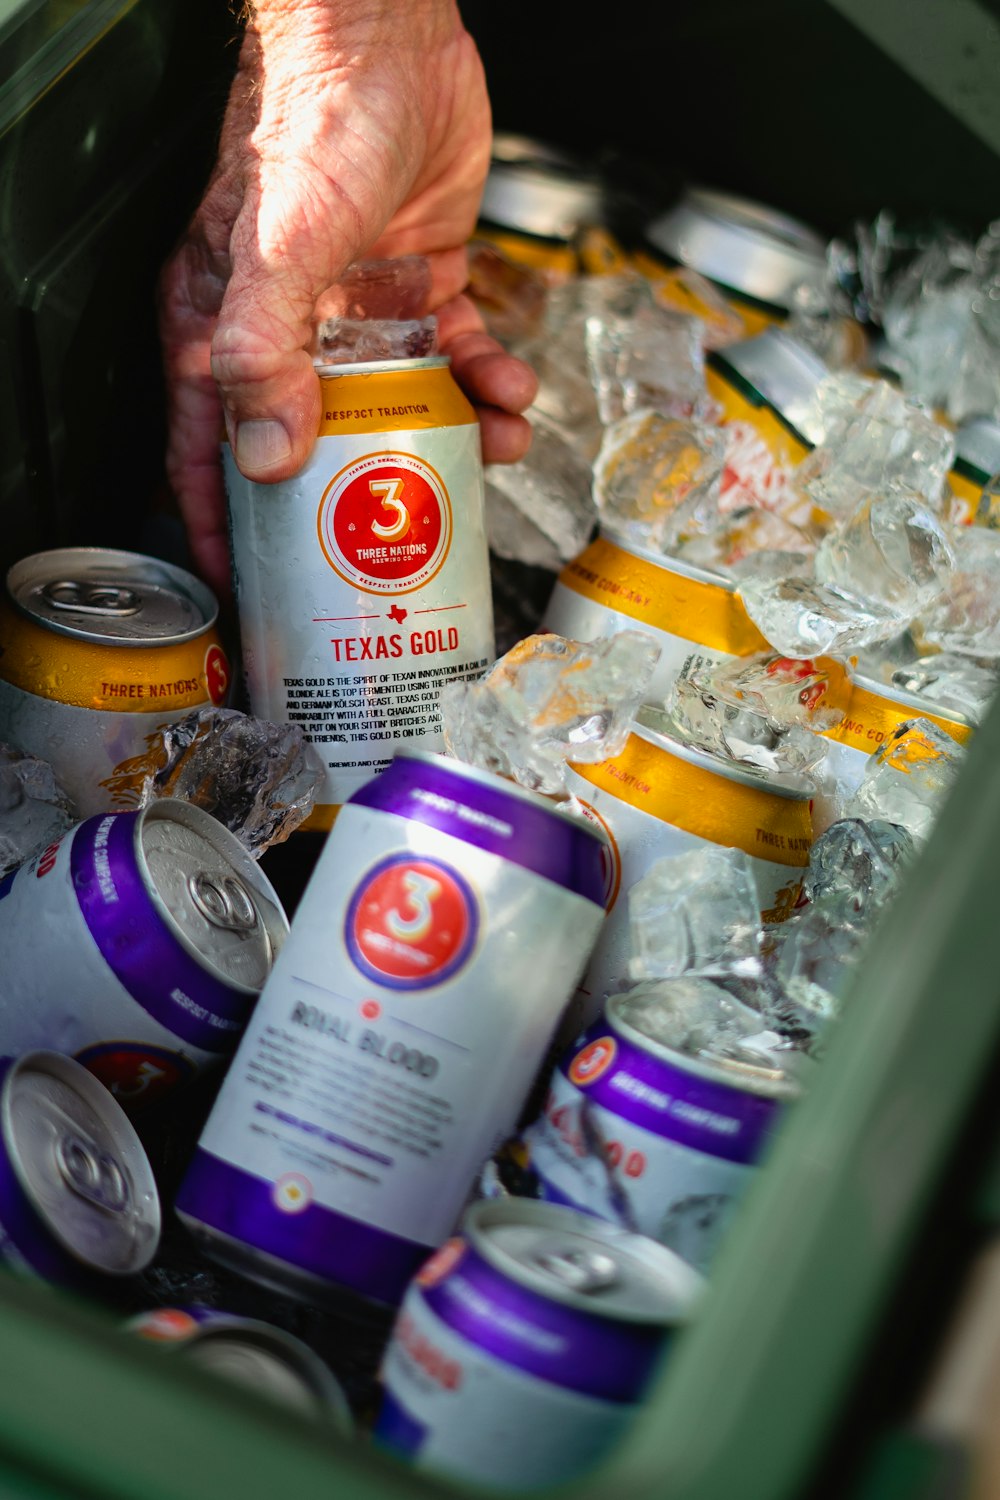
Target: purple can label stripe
332	1246
139	949
22	1227
667	1099
571	1348
546	843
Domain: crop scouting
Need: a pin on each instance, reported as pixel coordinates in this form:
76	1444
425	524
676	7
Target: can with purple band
78	1200
665	1141
440	936
138	943
525	1345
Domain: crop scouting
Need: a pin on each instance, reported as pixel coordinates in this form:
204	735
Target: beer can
768	382
252	1353
98	649
616	585
363	583
667	1140
525	1346
78	1201
137	943
660	797
445	925
536	201
755	254
875	712
977	459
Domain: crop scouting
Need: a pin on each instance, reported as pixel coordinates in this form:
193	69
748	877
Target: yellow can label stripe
707	614
871	719
393	401
710	806
121	679
787	448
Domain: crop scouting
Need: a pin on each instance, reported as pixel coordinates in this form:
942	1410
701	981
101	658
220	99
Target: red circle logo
594	1059
411	923
135	1074
217	674
385	523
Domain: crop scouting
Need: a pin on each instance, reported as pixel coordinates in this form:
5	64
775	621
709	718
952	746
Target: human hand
353	128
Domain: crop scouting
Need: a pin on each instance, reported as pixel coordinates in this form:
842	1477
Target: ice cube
695	911
855	868
656	476
257	778
966	620
948	681
540	510
686	290
356	341
926	316
833	405
695	1015
511	297
804	618
891	550
764	710
891	442
908	778
547	702
34	809
651	359
815	961
396	288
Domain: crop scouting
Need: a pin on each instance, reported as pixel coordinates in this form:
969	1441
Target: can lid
573	1258
654	725
123	598
211	892
784	371
271	1361
747	246
381	366
977	444
539	189
81	1164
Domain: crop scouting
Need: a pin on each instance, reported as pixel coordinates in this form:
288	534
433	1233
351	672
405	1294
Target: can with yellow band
875	711
98	649
768	381
363	582
659	797
614	585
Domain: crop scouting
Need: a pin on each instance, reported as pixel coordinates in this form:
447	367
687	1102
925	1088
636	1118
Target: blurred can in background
363	583
442	932
138	943
537	201
524	1347
98	648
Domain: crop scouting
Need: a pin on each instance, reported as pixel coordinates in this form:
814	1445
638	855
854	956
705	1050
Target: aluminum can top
741	244
784	371
539	189
381	366
111	598
210	892
648	725
270	1361
749	1077
582	1262
80	1162
977	444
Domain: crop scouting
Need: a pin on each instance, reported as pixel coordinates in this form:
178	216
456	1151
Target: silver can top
210	892
80	1162
539	190
110	597
572	1258
783	370
977	445
272	1362
655	726
743	245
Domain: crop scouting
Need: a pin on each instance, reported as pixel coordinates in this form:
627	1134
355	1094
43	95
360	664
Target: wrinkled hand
353	128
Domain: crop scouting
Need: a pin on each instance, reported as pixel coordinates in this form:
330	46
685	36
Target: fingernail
261	445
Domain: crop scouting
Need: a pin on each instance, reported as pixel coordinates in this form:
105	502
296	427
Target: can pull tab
225	903
91	598
581	1270
93	1174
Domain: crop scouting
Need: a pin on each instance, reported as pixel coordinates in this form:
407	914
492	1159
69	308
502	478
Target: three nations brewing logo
385	524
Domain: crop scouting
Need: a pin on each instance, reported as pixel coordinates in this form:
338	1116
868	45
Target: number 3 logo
389	491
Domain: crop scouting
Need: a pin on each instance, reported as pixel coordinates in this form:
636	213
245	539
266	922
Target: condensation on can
363	582
633	1130
98	649
78	1198
659	797
875	711
138	943
616	585
534	1320
444	896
